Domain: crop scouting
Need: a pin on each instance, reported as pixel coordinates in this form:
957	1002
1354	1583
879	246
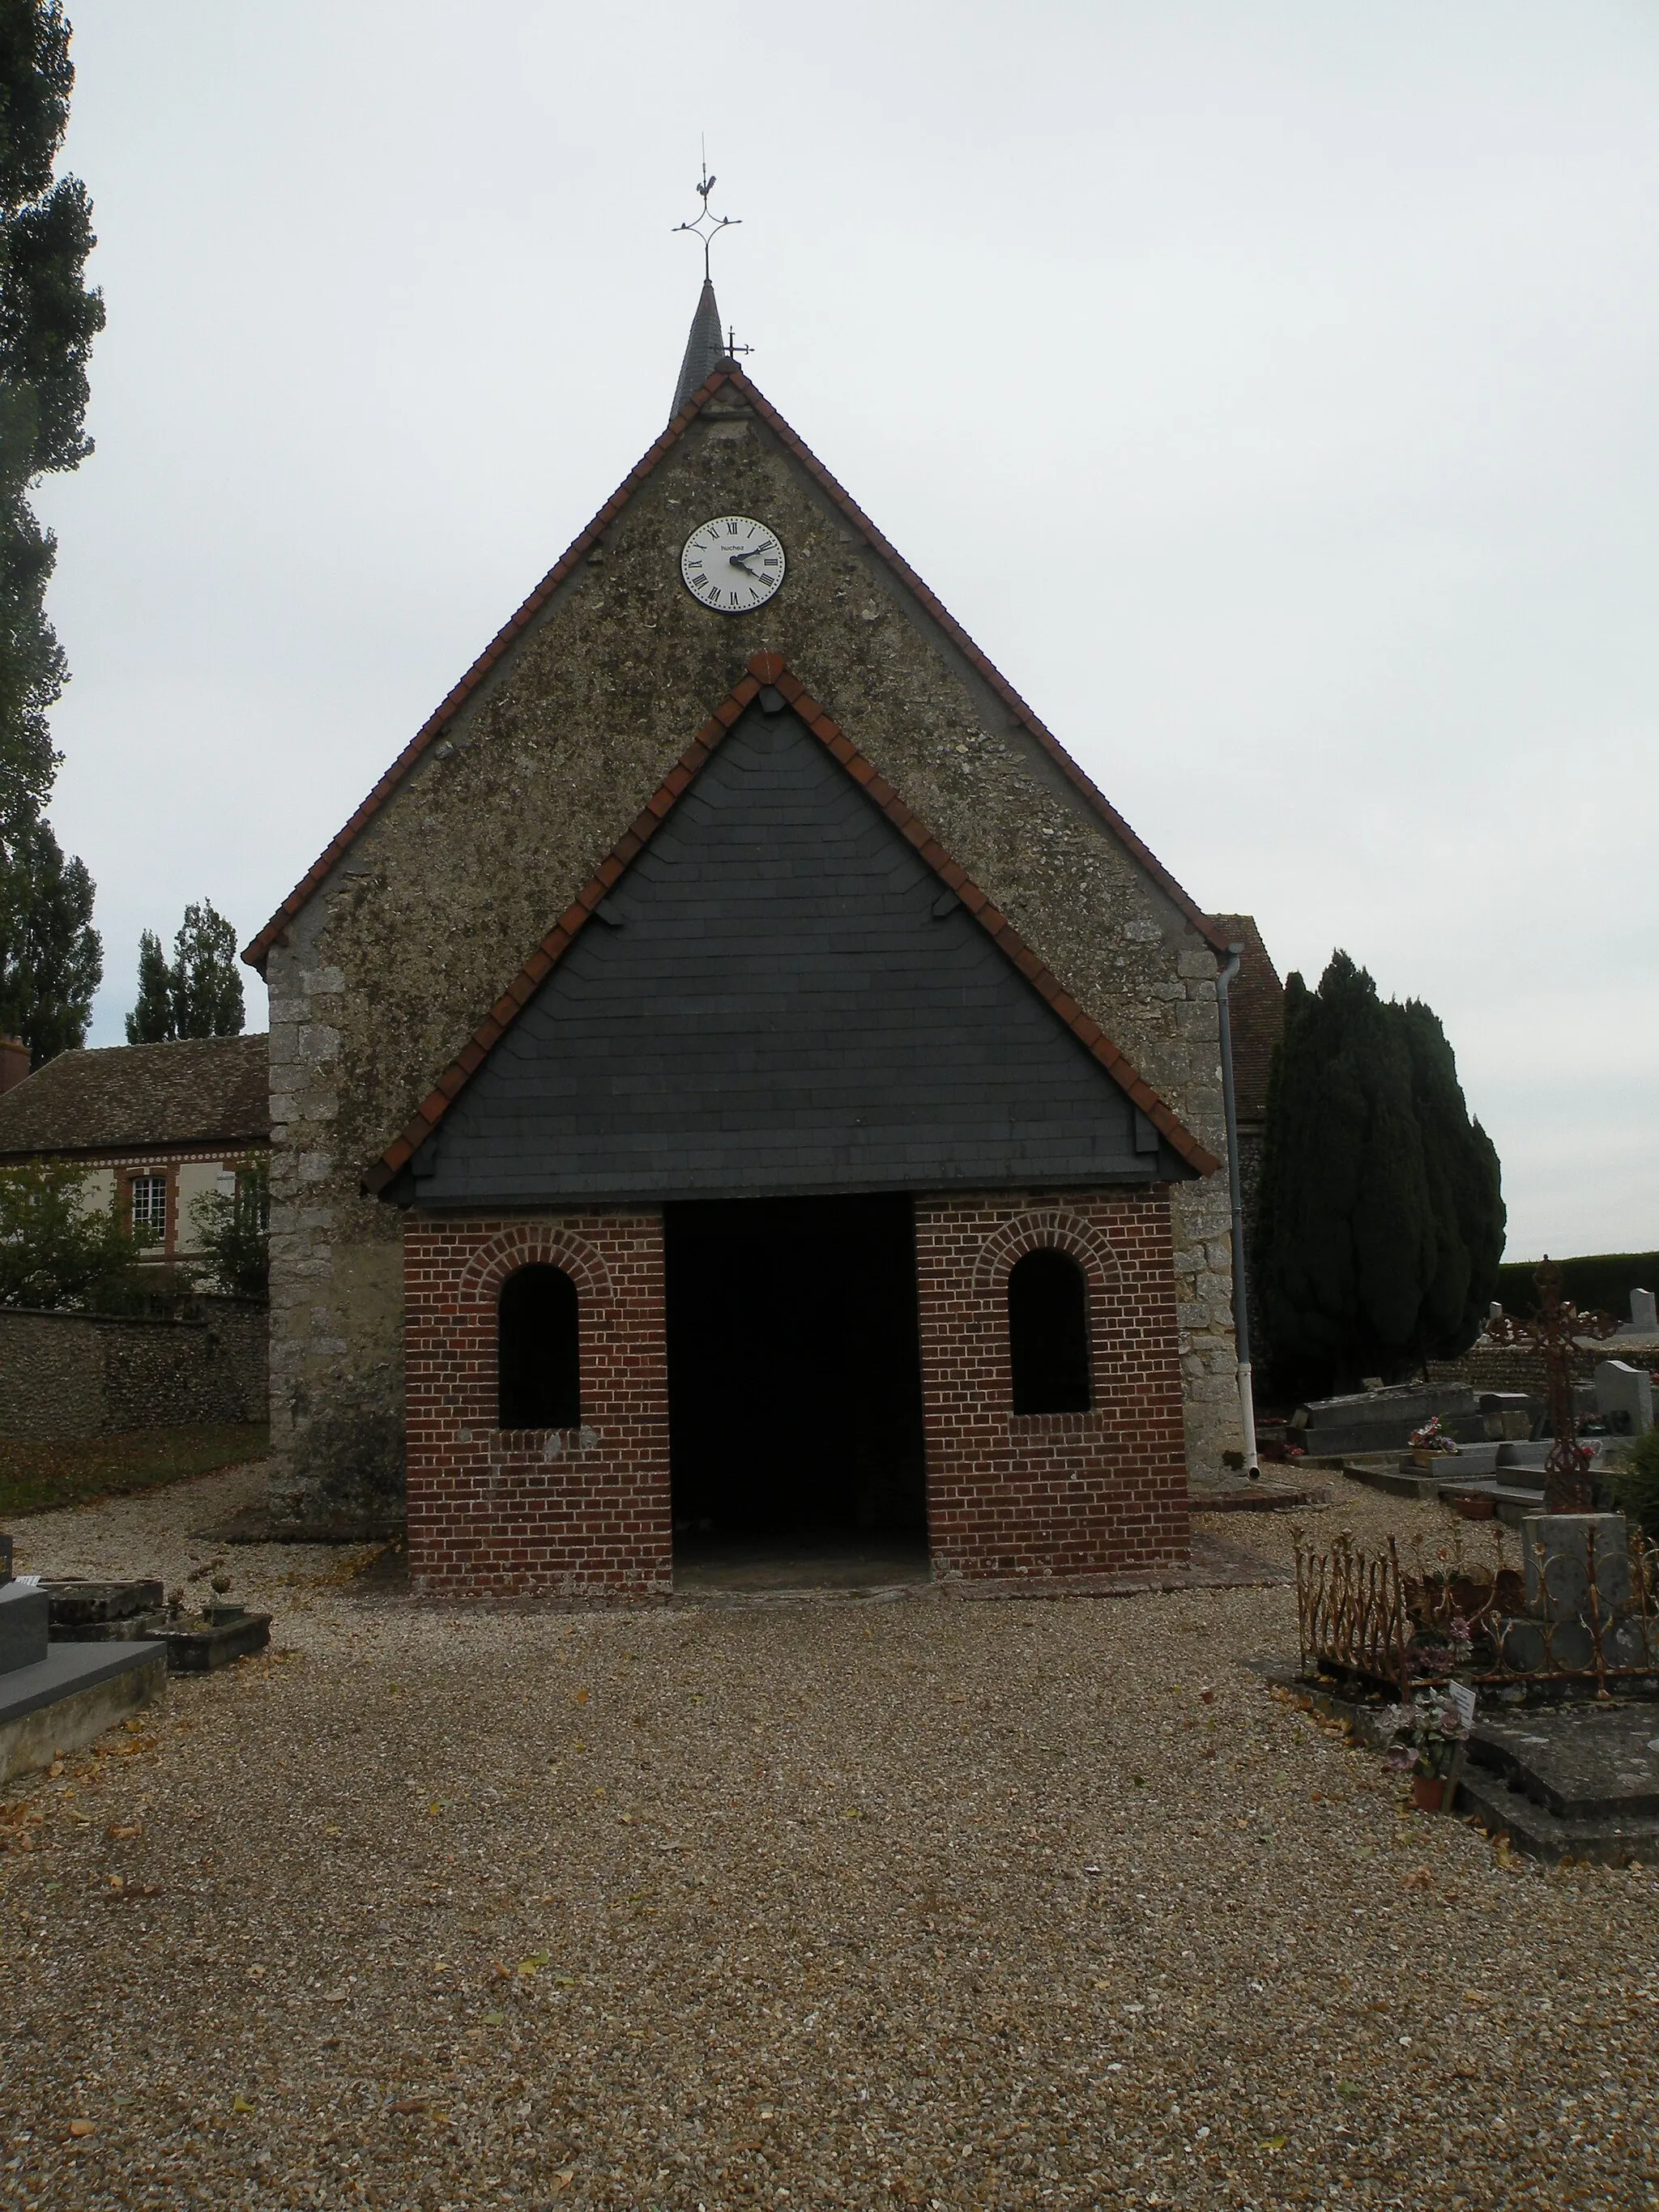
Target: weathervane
715	223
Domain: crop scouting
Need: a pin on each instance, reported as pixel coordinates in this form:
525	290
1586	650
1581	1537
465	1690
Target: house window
537	1365
1049	1334
149	1204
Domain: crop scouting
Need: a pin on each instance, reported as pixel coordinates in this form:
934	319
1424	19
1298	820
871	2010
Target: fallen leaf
336	1996
495	2020
410	2104
80	2127
333	1831
1275	2142
239	2104
581	1697
563	2180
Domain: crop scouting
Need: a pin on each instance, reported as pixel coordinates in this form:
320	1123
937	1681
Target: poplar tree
1379	1218
51	960
197	994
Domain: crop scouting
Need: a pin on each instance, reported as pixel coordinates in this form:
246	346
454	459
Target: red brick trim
256	953
1052	1229
532	1244
769	668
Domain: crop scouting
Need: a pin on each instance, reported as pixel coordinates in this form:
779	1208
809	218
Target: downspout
1241	1294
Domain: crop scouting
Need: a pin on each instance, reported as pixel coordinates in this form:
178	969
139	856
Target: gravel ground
830	1903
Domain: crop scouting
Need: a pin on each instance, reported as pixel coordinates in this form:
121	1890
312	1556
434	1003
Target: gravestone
1644	1314
1577	1591
1624	1397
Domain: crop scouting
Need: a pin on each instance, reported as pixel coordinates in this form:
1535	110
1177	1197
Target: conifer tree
198	993
50	956
1380	1221
150	1021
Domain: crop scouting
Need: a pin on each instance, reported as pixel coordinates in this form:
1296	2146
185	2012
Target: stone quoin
767	1001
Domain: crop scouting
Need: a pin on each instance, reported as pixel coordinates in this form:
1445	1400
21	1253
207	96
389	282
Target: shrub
1633	1481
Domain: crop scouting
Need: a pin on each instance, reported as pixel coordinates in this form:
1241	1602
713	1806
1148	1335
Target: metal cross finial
715	223
1556	1330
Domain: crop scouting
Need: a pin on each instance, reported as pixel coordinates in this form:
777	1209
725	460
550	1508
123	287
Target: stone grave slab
1576	1780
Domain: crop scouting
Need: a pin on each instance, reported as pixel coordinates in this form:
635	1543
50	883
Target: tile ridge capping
257	950
771	669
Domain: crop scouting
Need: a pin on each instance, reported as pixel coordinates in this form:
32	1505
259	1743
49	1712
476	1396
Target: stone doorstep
1263	1496
1503	1810
72	1695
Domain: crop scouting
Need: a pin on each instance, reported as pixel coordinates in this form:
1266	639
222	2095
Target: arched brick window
537	1369
1048	1334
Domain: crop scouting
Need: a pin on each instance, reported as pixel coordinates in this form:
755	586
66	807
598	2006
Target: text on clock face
732	563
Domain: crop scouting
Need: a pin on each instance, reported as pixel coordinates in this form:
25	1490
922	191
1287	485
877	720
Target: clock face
732	564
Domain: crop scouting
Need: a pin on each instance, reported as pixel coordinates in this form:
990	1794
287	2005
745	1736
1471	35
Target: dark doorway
538	1370
794	1373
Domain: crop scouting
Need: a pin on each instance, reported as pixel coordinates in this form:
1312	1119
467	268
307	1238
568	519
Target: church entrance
794	1390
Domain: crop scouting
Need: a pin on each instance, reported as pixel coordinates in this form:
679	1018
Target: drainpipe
1241	1294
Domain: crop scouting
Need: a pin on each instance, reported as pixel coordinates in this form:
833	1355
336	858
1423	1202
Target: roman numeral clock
733	564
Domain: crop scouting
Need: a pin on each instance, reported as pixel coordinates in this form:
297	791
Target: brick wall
573	1512
1051	1493
586	1512
93	1375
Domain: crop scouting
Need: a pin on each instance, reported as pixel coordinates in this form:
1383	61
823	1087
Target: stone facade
496	818
71	1375
585	1512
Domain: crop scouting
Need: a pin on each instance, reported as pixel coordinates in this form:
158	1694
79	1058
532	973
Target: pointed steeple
705	350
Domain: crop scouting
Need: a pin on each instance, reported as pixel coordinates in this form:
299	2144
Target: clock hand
753	553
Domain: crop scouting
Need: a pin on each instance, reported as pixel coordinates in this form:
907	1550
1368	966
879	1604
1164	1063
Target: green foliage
151	1021
1601	1280
52	959
56	1251
1379	1217
198	994
49	959
1633	1480
235	1232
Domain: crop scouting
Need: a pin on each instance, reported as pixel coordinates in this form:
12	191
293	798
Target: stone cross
1555	1330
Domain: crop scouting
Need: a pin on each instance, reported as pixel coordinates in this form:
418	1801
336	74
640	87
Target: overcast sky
1269	389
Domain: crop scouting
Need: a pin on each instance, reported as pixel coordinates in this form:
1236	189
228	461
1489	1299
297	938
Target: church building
735	1077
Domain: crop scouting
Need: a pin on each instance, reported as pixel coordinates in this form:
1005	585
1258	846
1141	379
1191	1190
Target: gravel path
835	1903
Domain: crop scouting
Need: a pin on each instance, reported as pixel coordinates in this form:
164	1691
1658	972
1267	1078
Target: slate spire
705	350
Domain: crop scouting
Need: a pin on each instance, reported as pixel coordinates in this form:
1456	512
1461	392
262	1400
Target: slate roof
1257	1000
741	388
780	996
705	350
769	669
134	1097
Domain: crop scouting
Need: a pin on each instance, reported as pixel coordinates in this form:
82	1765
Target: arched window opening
1049	1334
537	1365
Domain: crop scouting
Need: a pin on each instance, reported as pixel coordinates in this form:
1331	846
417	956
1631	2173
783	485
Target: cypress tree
50	956
1380	1222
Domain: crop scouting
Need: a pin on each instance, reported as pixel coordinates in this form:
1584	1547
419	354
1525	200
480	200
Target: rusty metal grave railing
1367	1617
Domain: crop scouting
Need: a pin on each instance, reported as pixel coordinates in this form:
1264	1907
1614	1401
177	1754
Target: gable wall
392	961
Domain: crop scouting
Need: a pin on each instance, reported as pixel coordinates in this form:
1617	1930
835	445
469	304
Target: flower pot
1427	1790
1477	1509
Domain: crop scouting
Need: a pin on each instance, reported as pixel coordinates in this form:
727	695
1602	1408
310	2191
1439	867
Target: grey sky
1269	388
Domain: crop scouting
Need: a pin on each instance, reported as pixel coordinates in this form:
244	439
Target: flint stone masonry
73	1375
381	976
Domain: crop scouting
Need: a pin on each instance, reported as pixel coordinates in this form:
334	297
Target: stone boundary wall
75	1376
1047	1494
